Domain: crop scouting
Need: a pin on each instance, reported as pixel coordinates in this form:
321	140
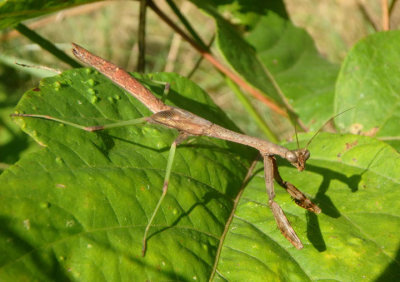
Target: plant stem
187	25
141	37
230	218
200	59
47	45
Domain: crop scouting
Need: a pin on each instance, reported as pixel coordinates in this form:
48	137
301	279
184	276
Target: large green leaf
13	12
246	13
369	81
356	183
77	209
289	55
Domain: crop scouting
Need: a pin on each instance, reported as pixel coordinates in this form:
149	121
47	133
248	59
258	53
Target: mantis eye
291	156
306	155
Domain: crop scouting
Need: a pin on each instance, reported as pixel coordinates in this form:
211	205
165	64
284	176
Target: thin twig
173	53
141	37
385	15
200	59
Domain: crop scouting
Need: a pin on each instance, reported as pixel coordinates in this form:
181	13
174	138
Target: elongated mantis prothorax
189	124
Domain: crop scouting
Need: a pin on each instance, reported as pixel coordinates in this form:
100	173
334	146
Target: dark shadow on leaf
106	145
46	263
240	150
327	206
392	271
10	152
207	198
324	202
314	234
328	174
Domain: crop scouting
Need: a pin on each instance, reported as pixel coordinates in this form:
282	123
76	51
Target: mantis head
298	158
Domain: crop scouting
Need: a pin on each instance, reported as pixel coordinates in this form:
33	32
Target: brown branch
385	15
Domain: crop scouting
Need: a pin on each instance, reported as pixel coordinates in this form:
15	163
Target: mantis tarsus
189	124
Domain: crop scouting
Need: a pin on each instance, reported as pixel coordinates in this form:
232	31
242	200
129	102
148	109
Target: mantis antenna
328	121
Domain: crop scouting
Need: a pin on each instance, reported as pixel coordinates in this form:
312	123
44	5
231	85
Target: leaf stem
230	218
200	59
187	25
252	111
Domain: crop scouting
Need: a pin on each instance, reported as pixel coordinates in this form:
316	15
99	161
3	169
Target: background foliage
75	206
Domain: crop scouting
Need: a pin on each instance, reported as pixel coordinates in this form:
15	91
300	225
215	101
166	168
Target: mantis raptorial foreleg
299	198
280	217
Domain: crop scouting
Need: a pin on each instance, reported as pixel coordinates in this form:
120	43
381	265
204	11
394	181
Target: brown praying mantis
189	124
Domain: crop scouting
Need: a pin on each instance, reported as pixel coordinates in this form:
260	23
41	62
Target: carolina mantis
189	124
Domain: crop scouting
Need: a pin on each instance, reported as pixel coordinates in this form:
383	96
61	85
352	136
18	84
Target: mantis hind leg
181	137
87	128
280	217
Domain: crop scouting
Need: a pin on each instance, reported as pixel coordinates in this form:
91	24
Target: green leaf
304	77
246	13
13	12
369	81
77	209
355	180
